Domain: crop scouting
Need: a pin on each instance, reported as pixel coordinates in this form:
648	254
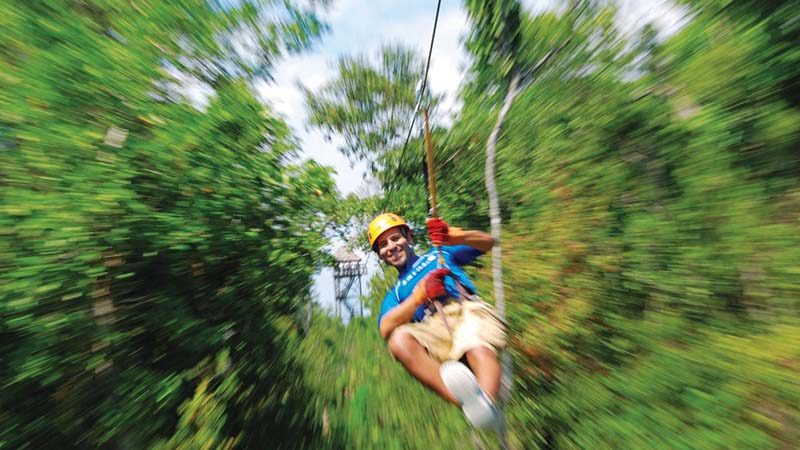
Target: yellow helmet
382	223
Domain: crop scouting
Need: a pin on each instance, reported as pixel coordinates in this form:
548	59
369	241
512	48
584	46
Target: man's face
394	248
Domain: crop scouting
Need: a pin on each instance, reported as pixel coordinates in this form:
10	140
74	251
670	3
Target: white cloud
283	94
449	59
539	6
344	10
667	17
197	92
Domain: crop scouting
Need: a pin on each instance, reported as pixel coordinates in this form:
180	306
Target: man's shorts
473	324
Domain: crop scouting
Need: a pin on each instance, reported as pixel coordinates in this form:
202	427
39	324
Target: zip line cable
416	108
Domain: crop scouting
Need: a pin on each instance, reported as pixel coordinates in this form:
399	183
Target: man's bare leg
413	356
486	367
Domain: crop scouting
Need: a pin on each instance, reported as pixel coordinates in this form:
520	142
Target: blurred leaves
153	255
650	199
157	245
370	103
641	221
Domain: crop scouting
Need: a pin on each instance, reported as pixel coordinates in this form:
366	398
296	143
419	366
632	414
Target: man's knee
481	355
483	351
402	345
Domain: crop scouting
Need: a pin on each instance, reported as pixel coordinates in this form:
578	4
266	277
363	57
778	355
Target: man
428	339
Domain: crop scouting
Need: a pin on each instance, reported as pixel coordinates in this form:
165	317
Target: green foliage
649	243
495	38
153	254
650	205
369	104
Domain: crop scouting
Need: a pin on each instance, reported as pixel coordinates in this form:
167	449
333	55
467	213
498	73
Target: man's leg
486	367
481	331
419	363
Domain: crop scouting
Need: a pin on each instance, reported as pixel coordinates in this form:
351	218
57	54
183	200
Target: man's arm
432	286
443	234
400	314
476	239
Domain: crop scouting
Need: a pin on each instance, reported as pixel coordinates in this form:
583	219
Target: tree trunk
497	262
494	205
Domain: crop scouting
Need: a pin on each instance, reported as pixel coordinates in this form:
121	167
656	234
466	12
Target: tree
154	254
369	105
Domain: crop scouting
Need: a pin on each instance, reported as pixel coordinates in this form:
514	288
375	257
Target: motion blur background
176	175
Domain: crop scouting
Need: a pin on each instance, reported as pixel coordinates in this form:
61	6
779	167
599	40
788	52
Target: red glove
434	283
438	231
431	287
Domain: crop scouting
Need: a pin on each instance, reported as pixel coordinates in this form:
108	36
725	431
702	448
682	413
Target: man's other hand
443	234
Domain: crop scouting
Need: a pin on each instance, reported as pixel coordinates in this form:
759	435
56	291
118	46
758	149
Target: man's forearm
403	313
477	239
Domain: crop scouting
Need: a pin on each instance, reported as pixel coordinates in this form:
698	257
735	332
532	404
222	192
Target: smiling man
433	320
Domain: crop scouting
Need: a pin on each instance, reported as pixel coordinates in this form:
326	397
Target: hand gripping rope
434	213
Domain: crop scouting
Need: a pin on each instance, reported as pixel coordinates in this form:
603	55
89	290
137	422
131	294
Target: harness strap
463	294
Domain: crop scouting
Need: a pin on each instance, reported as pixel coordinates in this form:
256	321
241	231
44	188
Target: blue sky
362	27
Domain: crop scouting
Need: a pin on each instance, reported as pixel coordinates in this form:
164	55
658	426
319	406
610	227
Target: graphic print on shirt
418	267
454	256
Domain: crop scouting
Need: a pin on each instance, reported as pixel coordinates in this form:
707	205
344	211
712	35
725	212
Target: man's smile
395	256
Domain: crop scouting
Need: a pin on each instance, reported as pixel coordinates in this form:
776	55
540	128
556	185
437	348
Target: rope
431	165
434	212
416	108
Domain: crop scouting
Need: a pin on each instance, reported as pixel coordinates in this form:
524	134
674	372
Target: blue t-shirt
454	256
